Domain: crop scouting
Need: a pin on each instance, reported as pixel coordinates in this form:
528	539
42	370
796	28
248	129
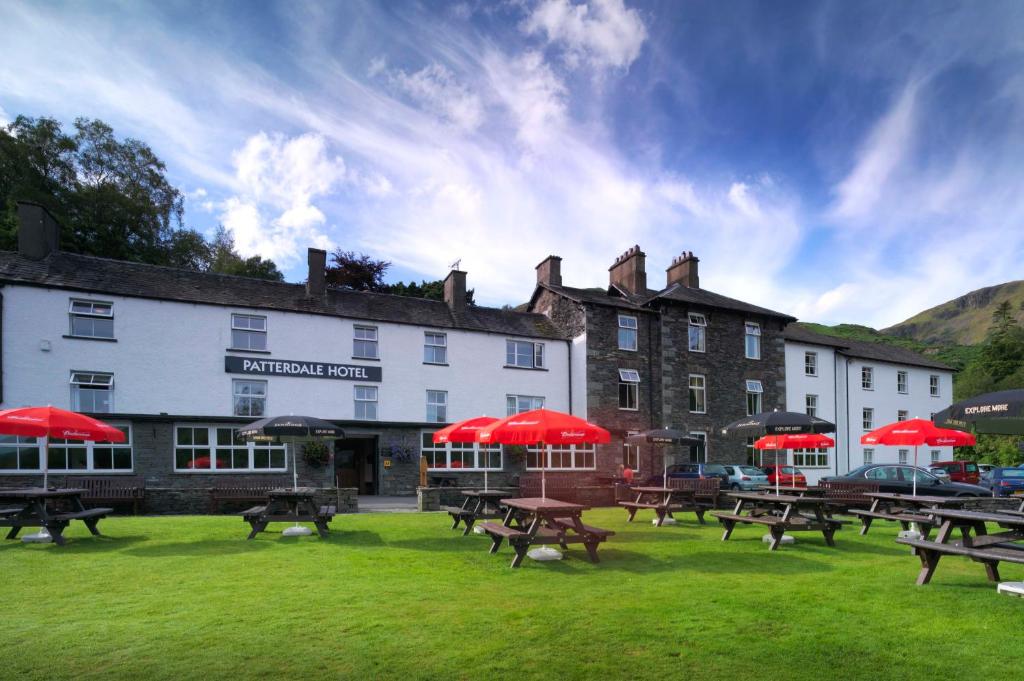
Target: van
960	471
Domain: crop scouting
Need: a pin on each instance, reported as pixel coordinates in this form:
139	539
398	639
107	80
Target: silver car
745	477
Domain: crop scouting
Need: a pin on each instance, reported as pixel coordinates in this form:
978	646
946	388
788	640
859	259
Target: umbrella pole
543	468
915	470
778	472
46	461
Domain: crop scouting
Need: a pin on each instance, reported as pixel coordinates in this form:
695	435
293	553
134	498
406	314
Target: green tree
430	290
1003	351
356	271
224	259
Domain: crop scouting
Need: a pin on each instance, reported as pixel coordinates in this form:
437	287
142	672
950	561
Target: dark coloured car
681	471
1004	482
899	479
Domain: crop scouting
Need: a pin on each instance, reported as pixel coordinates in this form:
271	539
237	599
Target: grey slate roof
117	277
882	352
675	293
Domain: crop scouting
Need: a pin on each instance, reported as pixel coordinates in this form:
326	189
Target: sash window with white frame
627	332
364	342
933	385
810	364
250	397
868	418
79	455
466	456
869	456
811	405
698	394
936	455
517	404
902	383
248	332
435	348
697	327
699	453
811	458
437	406
524	354
754	392
901	415
631	456
91	319
218	448
562	457
92	392
904	455
752	340
867	378
365	397
629	389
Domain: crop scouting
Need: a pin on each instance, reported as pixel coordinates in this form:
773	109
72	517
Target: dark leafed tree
356	271
431	290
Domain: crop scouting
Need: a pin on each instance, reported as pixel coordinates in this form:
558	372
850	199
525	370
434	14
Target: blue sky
841	161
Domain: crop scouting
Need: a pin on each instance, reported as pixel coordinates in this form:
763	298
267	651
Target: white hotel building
860	386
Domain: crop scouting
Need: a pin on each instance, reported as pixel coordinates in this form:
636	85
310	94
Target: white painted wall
579	375
799	385
169	358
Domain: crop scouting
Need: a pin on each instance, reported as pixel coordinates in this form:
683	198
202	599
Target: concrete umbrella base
544	553
1011	589
786	539
666	521
296	531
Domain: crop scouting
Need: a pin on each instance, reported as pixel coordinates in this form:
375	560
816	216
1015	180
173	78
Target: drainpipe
569	343
650	368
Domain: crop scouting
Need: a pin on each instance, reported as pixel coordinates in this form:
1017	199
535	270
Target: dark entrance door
355	463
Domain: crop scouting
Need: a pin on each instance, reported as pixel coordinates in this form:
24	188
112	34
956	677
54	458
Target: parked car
788	476
899	478
745	477
960	471
1004	482
693	470
986	467
939	473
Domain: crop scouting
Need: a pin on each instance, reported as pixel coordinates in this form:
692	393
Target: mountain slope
964	320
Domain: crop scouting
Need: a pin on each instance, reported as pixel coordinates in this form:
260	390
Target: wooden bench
930	551
98	513
517	539
234	491
600	532
904	519
110	489
328	512
9	511
845	494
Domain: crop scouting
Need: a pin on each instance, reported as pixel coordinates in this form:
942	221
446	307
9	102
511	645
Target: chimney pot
683	271
38	231
629	271
316	281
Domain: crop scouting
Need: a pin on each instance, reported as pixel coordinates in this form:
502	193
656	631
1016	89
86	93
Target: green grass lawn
400	596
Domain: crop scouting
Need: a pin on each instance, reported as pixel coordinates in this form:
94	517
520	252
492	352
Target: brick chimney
629	273
38	231
316	281
683	271
549	271
455	291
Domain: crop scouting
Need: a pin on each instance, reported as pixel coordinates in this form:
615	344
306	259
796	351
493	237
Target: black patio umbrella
1000	413
661	437
778	422
292	427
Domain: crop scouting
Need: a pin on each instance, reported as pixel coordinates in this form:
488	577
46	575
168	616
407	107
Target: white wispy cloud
603	33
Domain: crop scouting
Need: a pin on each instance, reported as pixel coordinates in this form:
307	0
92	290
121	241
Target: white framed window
250	397
697	329
698	394
19	453
627	332
91	318
209	448
437	406
904	455
754	392
752	340
810	458
365	402
435	348
92	392
517	404
810	364
936	455
631	456
902	383
867	378
567	457
629	389
456	456
248	332
933	385
752	454
364	342
901	415
811	405
868	418
869	456
524	354
699	453
78	455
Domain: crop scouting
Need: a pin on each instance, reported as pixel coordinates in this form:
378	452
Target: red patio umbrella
543	427
917	432
465	431
51	422
792	441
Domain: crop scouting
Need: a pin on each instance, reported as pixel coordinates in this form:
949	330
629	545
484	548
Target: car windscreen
787	470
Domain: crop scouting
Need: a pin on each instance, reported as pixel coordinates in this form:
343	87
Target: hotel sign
290	367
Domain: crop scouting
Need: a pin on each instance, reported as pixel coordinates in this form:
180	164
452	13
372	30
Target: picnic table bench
478	504
289	506
248	491
543	521
904	509
110	489
845	495
664	501
989	549
780	513
53	509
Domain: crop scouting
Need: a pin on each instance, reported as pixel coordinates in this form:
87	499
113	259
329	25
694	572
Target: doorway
355	463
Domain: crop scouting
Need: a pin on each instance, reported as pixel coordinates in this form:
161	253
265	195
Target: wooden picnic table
983	547
290	506
53	509
478	504
906	509
780	513
810	491
663	501
544	521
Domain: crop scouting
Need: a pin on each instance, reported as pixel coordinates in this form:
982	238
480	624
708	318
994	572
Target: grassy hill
963	320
